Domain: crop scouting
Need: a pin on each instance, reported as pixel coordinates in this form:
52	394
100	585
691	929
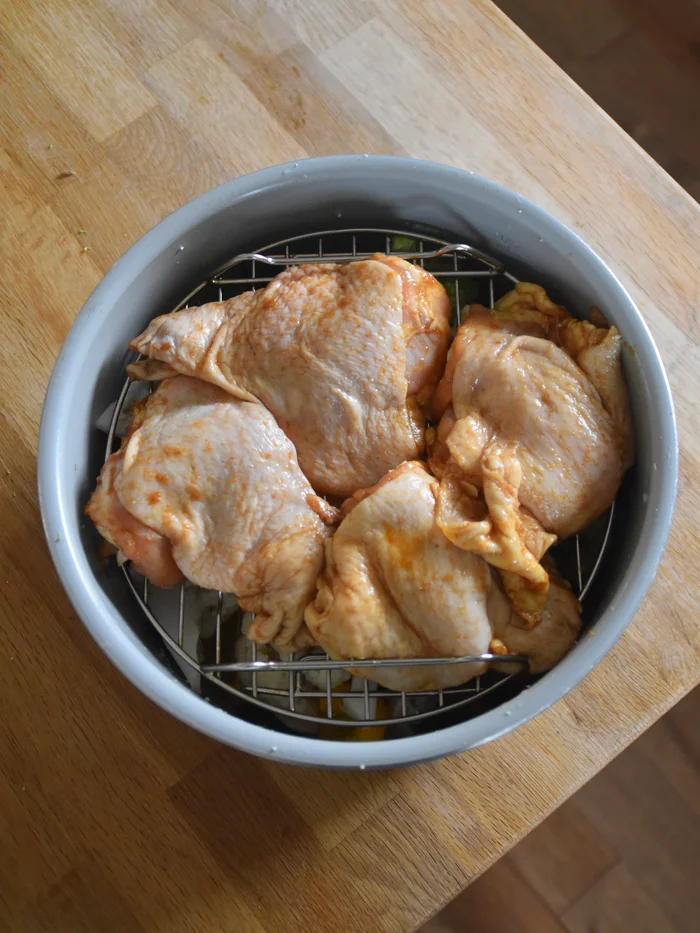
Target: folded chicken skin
394	586
345	356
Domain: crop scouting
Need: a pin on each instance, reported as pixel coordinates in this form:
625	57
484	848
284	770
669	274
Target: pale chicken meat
534	437
593	345
215	490
555	634
345	356
394	586
149	552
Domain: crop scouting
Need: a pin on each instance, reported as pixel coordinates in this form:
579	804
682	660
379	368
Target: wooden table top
113	816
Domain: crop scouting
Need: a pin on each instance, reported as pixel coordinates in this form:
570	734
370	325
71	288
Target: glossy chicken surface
149	552
593	345
394	586
217	479
344	356
553	636
534	436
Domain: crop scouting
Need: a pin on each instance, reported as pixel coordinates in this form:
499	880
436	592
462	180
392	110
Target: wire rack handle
494	264
326	664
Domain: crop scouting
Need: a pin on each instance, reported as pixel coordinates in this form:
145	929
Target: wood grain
502	902
619	903
639	59
563	858
620	855
113	815
84	68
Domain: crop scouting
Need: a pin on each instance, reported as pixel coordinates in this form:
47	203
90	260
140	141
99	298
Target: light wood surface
113	816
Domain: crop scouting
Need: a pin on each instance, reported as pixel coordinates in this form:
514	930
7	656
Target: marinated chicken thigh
344	356
217	484
149	552
394	586
534	435
594	345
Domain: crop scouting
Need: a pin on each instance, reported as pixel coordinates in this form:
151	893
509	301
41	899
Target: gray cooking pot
269	205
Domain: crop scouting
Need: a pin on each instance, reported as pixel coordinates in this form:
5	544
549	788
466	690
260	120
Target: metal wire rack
298	694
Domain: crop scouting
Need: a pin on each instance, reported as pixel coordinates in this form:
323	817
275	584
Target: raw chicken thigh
344	356
394	586
534	436
149	552
214	489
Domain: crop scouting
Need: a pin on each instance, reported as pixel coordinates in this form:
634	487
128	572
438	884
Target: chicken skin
394	586
149	552
534	436
214	489
345	356
554	635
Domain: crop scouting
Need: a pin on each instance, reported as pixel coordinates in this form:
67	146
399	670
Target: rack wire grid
469	276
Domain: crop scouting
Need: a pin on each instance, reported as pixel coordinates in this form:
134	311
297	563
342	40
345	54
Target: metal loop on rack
314	662
495	265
